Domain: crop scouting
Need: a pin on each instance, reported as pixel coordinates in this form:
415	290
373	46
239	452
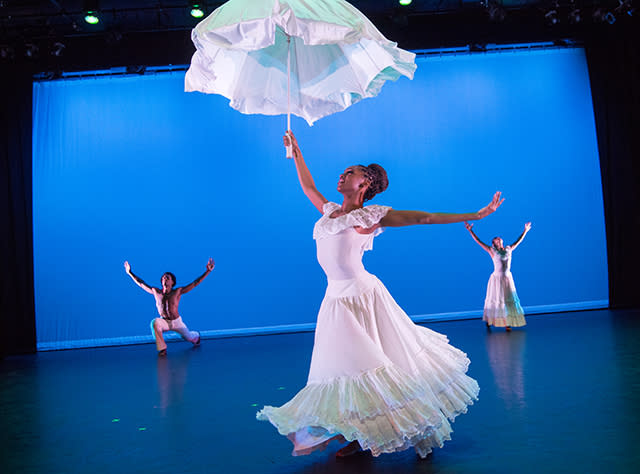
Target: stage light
575	16
404	3
602	16
598	15
496	13
91	18
551	17
31	50
57	49
7	52
625	6
91	8
196	11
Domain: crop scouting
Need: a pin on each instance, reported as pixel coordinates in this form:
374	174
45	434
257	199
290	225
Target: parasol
310	58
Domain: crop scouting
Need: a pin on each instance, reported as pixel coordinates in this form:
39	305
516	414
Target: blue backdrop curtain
133	168
613	66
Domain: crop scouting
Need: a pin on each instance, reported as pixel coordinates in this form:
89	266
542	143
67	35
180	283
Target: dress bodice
339	246
501	260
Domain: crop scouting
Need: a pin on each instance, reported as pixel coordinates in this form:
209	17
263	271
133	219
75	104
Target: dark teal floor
561	396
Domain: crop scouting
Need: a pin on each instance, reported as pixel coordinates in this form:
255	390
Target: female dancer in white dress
502	305
376	379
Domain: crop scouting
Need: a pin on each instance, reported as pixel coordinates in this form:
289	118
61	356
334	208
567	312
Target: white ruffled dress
502	305
375	376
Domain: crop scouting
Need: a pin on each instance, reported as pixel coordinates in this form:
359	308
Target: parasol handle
289	147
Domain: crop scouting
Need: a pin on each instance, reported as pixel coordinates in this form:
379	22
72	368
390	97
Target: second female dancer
376	379
501	306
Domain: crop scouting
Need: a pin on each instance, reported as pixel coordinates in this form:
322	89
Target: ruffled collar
365	217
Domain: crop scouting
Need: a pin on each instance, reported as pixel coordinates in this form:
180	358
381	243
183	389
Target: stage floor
560	396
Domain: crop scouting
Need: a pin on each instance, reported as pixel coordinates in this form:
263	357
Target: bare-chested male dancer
167	301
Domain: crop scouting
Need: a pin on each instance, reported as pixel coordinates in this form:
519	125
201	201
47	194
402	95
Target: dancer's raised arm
475	237
138	281
304	175
197	281
527	228
405	218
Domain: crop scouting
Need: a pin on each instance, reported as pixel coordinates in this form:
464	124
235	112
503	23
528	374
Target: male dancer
167	301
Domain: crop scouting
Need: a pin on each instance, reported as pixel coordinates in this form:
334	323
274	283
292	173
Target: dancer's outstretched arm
405	218
304	175
475	237
138	281
527	228
197	281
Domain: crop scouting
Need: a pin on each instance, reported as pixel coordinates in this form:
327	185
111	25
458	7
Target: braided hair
377	177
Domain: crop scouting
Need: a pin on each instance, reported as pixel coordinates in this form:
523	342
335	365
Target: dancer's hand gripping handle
288	143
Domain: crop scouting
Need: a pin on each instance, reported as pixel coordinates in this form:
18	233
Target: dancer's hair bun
377	178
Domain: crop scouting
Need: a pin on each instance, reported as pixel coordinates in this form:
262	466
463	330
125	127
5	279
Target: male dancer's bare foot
162	353
351	448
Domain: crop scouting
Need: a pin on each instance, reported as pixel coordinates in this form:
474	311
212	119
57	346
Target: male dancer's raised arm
210	265
138	281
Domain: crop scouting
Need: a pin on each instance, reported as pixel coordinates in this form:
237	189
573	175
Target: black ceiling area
52	35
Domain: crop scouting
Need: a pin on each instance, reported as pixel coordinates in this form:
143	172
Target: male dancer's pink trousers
161	325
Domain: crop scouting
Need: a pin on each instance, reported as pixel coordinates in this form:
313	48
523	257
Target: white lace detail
364	217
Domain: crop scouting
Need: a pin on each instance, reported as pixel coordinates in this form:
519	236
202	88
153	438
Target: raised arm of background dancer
475	237
197	281
405	218
138	281
304	175
527	228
